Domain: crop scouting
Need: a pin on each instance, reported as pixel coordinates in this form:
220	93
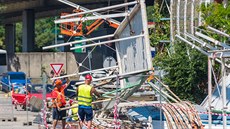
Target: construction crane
78	29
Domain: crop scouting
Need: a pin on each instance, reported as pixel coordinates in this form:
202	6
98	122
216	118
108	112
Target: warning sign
56	67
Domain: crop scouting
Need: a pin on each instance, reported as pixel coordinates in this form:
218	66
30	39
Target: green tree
215	15
18	37
2	33
43	34
161	29
186	73
2	30
2	7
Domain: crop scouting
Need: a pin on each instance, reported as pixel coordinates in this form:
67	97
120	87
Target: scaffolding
189	33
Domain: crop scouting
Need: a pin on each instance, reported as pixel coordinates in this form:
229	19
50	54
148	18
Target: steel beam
178	17
200	41
78	41
209	92
171	22
105	42
212	40
91	18
100	9
223	92
192	17
70	3
114	76
185	17
75	74
193	46
218	31
85	9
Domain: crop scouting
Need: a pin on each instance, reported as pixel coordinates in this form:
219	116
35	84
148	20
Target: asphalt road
7	112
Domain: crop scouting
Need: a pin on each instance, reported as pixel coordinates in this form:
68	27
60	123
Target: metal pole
212	40
91	18
218	31
110	41
185	17
223	92
27	121
56	35
114	76
85	72
199	15
160	104
116	104
78	41
101	9
193	45
178	17
89	56
192	17
85	9
171	22
44	80
201	42
209	92
10	89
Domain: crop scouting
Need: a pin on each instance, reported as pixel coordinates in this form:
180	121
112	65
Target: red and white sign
56	67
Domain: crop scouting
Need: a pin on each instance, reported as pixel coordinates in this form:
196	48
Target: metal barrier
6	107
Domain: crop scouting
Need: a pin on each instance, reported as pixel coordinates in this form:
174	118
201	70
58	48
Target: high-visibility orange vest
59	97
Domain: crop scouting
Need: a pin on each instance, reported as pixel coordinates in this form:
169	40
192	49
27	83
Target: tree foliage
217	16
2	33
186	73
161	30
44	34
2	7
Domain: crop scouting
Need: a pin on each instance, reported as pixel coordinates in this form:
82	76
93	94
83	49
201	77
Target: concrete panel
22	62
35	65
60	57
32	63
13	63
47	58
71	64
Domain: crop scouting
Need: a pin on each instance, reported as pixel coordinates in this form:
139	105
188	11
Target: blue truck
10	78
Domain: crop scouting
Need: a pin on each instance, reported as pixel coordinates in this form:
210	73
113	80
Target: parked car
36	90
9	78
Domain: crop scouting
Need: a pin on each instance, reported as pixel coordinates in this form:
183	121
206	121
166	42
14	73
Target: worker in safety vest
73	112
85	93
59	102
